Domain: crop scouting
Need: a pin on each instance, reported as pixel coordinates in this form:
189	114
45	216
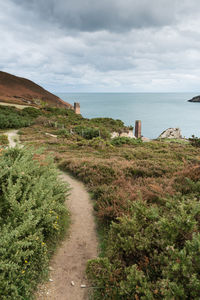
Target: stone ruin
77	108
138	129
129	133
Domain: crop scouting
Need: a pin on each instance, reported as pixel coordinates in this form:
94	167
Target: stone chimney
138	129
77	108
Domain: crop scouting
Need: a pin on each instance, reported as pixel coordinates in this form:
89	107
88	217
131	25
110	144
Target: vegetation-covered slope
147	206
14	89
146	200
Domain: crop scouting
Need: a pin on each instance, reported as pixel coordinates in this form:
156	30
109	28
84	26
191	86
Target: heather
33	219
148	207
146	202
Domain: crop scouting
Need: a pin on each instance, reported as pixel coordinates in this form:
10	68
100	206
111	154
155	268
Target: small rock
51	269
72	283
52	135
51	280
83	286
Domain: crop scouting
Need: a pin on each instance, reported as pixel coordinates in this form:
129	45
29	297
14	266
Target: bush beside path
67	272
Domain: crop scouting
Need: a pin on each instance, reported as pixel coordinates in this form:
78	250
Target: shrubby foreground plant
152	254
33	218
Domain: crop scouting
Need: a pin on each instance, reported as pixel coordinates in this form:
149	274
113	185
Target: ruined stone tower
138	129
77	108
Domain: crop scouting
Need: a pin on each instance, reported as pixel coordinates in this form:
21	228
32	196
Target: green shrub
67	114
10	117
87	132
194	141
32	217
104	133
109	123
31	112
13	121
152	254
57	111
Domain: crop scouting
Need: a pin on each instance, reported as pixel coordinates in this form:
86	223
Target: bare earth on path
13	137
69	262
20	106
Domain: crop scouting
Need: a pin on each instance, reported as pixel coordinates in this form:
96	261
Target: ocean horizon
157	111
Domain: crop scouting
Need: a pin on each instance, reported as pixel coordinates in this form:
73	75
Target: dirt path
69	263
13	137
20	106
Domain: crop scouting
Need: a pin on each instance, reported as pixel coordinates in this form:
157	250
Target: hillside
146	203
19	90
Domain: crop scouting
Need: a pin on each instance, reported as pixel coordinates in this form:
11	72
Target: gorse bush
10	117
31	112
152	254
32	217
110	124
13	121
87	132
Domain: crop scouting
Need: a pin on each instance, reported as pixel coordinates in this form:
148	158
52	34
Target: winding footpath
67	267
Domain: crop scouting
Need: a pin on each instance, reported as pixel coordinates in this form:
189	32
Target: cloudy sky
103	45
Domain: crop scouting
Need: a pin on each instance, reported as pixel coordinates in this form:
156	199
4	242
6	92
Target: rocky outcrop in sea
195	99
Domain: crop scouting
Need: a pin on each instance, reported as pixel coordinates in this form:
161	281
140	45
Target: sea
157	111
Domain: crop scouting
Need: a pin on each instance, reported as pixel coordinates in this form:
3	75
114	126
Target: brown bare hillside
19	90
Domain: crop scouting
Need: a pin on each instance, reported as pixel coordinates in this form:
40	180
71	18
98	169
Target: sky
103	45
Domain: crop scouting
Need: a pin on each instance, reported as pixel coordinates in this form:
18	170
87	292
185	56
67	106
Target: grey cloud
113	15
102	46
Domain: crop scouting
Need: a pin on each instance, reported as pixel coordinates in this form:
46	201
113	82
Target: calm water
157	111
